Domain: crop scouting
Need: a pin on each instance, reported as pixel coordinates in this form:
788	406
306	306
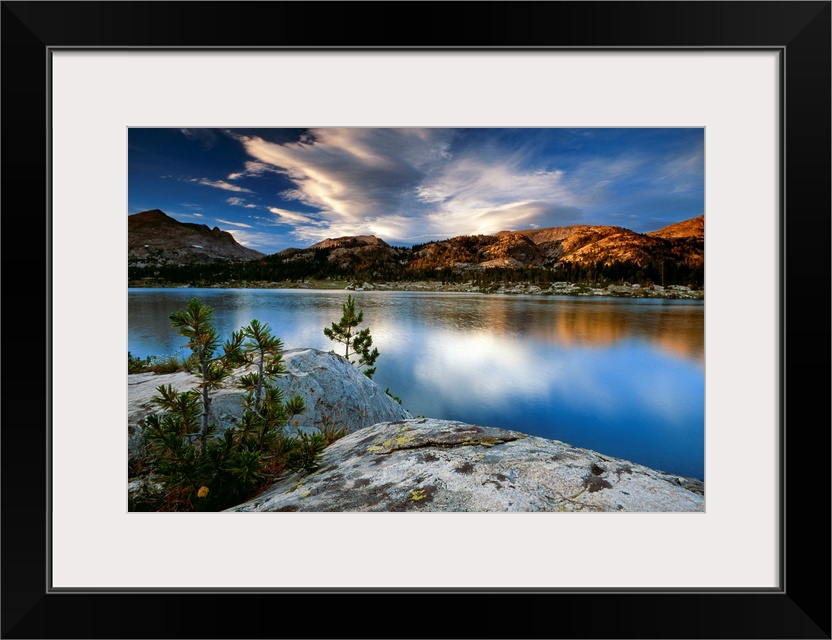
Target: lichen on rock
442	465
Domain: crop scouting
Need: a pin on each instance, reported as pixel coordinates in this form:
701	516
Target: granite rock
440	465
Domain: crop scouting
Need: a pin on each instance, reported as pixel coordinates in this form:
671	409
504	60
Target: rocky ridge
578	253
581	245
693	228
154	238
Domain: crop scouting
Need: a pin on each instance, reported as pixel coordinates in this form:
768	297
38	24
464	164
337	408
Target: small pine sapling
195	322
360	342
265	413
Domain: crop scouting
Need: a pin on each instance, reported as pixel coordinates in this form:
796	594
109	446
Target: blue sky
279	188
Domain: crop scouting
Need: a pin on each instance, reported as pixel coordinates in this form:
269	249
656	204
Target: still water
623	377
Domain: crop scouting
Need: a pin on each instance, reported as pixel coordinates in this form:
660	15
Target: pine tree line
666	272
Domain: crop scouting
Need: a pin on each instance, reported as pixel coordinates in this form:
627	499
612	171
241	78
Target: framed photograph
468	299
84	80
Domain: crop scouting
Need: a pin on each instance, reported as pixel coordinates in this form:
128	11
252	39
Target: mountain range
579	245
155	239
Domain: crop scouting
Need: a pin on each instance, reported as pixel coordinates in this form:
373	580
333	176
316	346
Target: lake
625	377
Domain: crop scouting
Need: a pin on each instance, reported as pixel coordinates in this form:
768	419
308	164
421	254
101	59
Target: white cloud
180	215
236	224
487	195
401	184
240	202
221	184
409	185
252	168
684	172
290	217
350	174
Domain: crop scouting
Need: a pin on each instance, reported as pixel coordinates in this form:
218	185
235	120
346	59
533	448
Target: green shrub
138	365
197	470
306	453
156	364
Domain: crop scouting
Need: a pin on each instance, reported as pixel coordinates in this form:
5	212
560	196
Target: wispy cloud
404	183
683	173
205	137
221	184
412	185
236	224
252	168
291	217
179	215
492	192
350	174
240	202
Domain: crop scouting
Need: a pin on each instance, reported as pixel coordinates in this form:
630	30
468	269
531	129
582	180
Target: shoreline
621	290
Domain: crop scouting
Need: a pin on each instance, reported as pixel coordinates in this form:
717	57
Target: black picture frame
799	608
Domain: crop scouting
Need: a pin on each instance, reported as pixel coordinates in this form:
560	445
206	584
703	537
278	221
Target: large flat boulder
335	393
441	465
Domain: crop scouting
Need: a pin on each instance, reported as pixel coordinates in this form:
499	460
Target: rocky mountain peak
692	228
154	238
350	242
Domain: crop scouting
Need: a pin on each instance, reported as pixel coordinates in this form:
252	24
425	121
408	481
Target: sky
277	188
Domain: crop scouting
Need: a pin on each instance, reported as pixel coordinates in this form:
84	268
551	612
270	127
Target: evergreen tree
264	349
360	342
265	412
367	358
195	322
